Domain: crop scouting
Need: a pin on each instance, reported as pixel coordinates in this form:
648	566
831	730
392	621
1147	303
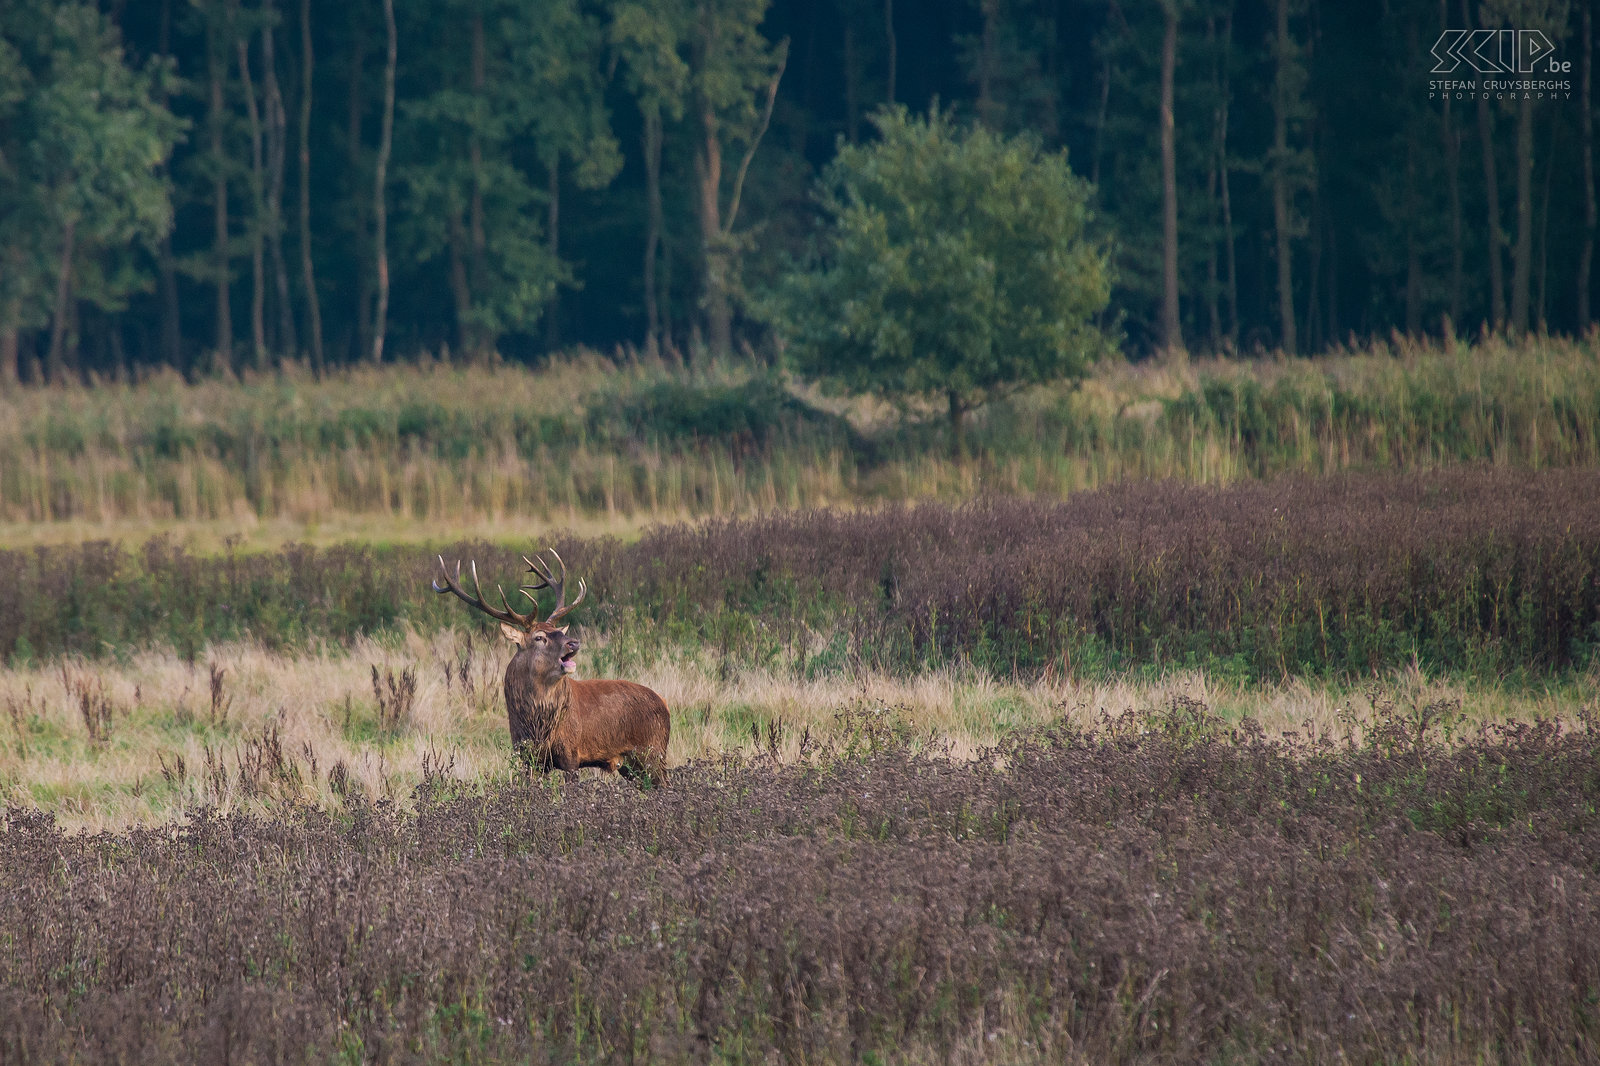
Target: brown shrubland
1147	889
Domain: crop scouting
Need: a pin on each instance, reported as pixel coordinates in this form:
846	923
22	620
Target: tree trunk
1230	256
1540	306
277	153
1522	257
1413	251
958	426
708	172
478	345
1452	162
552	314
652	236
380	319
1491	193
363	308
852	83
1171	328
893	47
1100	123
1586	124
9	349
219	206
1281	205
258	270
166	267
55	361
307	266
460	287
10	337
986	103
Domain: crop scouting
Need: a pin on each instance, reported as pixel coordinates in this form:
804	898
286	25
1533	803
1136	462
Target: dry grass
124	462
284	729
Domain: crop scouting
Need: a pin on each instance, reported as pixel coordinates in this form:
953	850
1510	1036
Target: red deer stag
557	721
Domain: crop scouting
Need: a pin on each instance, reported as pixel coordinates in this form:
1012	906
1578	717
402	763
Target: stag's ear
562	631
513	634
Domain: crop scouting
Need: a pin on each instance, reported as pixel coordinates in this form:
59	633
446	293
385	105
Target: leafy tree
647	37
734	77
82	143
957	263
471	198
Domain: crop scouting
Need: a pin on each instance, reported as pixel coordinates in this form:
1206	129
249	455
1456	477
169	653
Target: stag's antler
507	615
548	580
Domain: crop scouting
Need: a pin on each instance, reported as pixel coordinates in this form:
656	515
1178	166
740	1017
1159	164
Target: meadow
598	444
1218	711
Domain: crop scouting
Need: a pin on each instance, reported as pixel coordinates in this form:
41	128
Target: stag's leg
566	763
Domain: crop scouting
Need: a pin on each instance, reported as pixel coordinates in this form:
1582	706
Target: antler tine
453	585
562	606
537	568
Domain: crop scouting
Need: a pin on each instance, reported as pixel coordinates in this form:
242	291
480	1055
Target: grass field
420	454
1225	712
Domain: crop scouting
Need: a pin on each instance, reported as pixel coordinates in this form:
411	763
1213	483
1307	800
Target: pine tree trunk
552	314
307	266
1522	257
258	270
1491	193
652	236
277	152
1413	251
1281	205
166	267
380	319
1452	161
219	206
363	308
1540	306
1230	255
478	345
708	171
1171	328
55	361
1586	124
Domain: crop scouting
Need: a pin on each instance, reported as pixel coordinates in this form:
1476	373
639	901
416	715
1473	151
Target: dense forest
213	184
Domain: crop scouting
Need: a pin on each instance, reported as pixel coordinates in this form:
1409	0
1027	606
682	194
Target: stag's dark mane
535	713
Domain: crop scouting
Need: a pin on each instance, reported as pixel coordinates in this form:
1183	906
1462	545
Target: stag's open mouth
569	662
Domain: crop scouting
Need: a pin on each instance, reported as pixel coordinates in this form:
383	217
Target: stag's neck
551	700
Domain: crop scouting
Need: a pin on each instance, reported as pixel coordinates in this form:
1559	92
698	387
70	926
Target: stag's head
550	651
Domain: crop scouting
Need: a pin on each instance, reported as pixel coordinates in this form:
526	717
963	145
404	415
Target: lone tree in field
955	265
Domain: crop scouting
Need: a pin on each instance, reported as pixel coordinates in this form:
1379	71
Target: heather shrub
1164	890
1477	571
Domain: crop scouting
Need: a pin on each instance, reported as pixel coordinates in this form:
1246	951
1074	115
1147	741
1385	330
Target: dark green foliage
754	412
1478	571
1145	891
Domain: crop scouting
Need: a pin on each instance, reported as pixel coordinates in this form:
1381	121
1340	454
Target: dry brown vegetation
1151	889
252	730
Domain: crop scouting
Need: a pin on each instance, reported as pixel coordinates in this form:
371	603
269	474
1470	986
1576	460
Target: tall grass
595	439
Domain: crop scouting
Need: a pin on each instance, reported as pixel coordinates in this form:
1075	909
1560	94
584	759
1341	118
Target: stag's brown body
557	721
583	723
